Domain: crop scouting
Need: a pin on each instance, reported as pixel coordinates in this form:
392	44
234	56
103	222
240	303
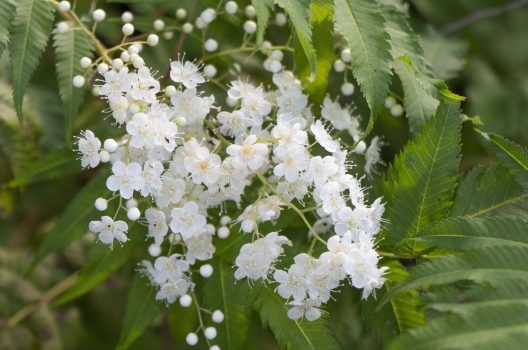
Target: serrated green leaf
101	263
7	13
361	24
321	20
291	334
70	47
221	292
481	194
423	177
73	222
56	164
445	55
298	11
514	156
29	35
140	311
263	9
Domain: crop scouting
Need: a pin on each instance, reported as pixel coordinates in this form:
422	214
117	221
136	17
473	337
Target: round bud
154	250
104	156
266	45
137	61
210	333
102	68
125	56
223	232
187	28
209	71
96	91
218	316
275	66
224	220
138	47
180	121
208	15
214	347
131	203
185	300
99	15
347	89
250	27
170	90
247	225
389	102
85	62
231	7
158	24
152	40
346	55
117	63
134	108
231	102
174	238
200	24
127	17
110	145
133	213
211	45
78	81
127	29
249	11
277	55
396	110
168	35
101	204
281	19
339	66
361	147
64	6
206	271
62	27
181	13
191	339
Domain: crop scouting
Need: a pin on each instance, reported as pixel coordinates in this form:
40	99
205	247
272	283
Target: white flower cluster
181	157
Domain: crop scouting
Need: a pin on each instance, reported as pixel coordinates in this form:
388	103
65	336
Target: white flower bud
154	250
200	24
210	333
208	15
339	66
389	102
210	45
249	11
191	339
180	121
347	89
137	61
105	156
187	28
117	63
168	35
185	300
206	271
110	145
277	55
361	147
224	220
133	214
346	55
181	13
101	204
275	66
99	15
127	29
102	68
85	62
209	71
231	7
170	90
125	56
214	347
131	203
250	27
231	102
152	40
218	316
281	19
96	91
127	17
62	27
158	24
138	47
78	81
223	232
397	110
266	46
64	6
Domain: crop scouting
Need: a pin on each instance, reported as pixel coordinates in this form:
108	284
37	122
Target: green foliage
289	333
514	156
423	177
70	47
263	9
141	309
29	35
7	13
354	19
444	55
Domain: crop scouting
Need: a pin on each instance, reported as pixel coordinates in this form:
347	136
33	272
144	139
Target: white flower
234	123
186	73
341	118
331	196
144	86
190	106
250	154
324	138
115	83
140	129
307	308
109	230
292	163
171	192
321	169
292	283
372	155
170	269
171	291
199	247
292	102
157	225
119	106
187	221
203	166
89	147
151	175
126	179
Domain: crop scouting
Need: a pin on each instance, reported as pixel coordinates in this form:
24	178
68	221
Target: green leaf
221	292
72	224
56	164
361	24
290	334
29	35
481	193
140	311
321	20
70	47
468	233
445	55
7	13
263	9
298	11
514	156
101	263
423	177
